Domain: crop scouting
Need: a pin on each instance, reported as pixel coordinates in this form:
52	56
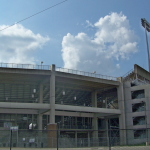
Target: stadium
47	106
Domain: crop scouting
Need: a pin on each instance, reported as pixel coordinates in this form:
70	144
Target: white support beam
74	114
24	105
87	109
18	111
42	108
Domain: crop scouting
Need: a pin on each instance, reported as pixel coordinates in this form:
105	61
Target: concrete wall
142	72
128	108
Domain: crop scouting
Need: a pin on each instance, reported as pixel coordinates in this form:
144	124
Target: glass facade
22	93
72	96
107	98
22	121
70	122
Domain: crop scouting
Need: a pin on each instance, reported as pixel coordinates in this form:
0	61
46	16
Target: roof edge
141	71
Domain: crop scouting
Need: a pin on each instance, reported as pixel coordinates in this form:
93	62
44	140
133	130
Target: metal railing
88	74
24	66
47	67
60	126
125	76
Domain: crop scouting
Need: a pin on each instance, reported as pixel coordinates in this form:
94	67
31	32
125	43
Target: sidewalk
92	148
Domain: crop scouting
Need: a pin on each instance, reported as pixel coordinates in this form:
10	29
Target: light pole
41	64
146	25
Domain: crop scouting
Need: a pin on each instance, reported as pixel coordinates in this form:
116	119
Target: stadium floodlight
146	25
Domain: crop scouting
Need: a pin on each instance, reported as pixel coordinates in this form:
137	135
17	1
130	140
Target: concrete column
40	127
52	126
95	130
95	123
94	99
52	135
40	122
121	104
106	134
95	119
52	95
41	94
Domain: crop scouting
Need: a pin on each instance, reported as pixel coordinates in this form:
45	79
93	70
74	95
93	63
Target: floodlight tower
146	25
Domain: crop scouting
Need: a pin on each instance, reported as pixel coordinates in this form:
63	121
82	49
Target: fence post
76	139
10	139
89	142
57	139
109	134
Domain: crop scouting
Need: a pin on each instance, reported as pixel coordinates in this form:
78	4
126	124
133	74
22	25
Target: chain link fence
75	139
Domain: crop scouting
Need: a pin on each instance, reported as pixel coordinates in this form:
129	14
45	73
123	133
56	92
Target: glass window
139	134
138	107
137	94
140	120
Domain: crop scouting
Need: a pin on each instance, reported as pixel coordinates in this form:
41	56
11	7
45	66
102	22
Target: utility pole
146	25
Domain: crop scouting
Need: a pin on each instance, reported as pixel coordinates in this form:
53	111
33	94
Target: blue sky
89	35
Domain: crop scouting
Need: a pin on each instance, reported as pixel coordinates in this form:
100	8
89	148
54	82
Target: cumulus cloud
17	44
113	41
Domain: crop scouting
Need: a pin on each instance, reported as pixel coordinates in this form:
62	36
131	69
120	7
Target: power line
34	15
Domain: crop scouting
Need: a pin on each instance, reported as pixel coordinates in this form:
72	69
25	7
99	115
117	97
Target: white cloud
17	44
113	40
89	24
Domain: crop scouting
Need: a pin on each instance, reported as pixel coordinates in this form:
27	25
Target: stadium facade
45	97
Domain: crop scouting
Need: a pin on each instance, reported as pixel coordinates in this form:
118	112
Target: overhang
65	110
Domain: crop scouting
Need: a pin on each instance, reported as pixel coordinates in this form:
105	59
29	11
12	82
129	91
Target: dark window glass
140	120
137	94
139	134
138	107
